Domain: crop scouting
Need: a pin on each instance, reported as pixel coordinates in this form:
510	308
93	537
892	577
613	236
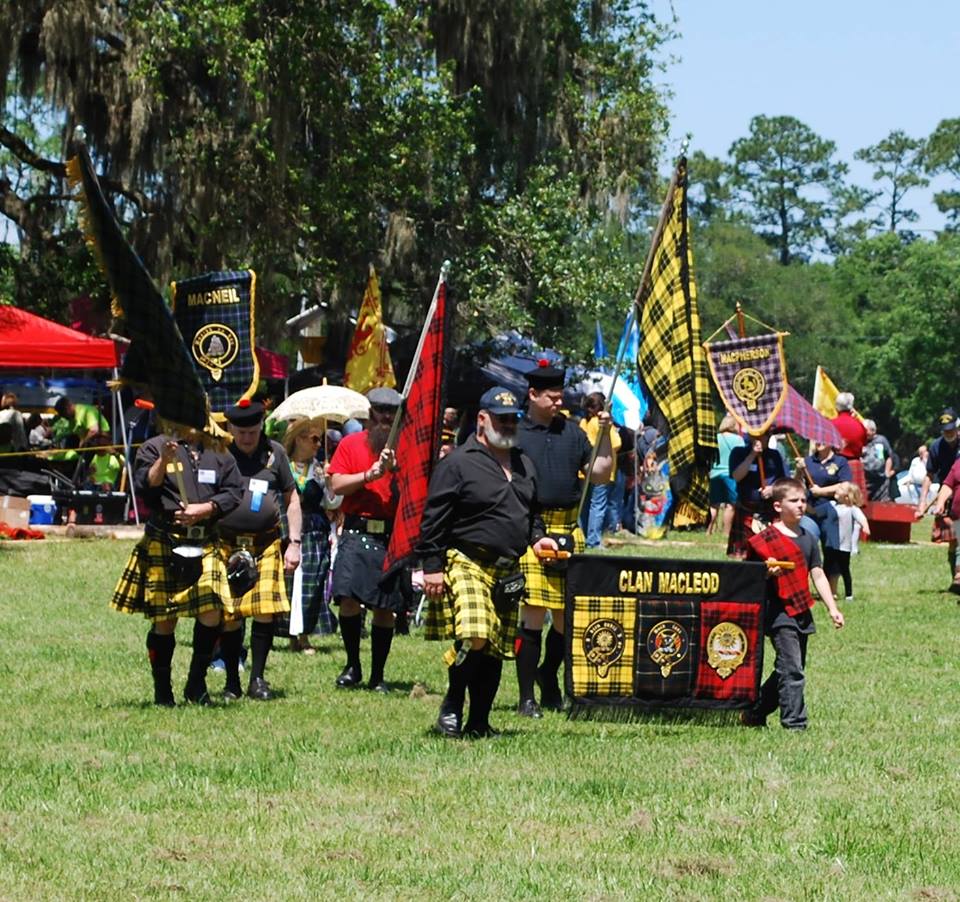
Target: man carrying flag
368	360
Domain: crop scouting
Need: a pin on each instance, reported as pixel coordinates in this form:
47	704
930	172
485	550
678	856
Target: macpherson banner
649	633
215	315
751	377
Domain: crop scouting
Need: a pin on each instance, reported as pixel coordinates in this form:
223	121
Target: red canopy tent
28	341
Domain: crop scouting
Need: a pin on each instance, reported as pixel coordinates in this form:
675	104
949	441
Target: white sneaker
848	598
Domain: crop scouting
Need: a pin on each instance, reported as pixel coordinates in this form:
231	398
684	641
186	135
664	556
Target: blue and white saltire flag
629	403
599	348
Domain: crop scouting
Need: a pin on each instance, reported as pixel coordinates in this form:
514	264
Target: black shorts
835	562
358	570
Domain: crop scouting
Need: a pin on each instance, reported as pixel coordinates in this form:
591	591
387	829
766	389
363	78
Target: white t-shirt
849	518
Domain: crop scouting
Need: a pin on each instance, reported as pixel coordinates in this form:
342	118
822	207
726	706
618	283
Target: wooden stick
783	565
797	454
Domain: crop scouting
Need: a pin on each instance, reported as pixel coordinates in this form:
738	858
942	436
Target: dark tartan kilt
269	595
147	586
466	611
545	584
315	564
745	518
857	475
943	530
358	570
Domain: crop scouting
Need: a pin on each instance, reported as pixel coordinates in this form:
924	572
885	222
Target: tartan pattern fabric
793	586
741	529
858	477
942	529
147	586
545	584
651	683
753	401
742	684
419	439
800	415
269	595
465	610
671	360
315	564
239	377
583	677
157	355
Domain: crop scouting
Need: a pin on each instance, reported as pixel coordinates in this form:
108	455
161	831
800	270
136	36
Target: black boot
351	675
952	559
204	638
551	697
230	645
528	657
160	652
483	690
381	638
451	708
261	641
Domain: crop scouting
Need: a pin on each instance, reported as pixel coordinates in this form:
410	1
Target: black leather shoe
551	698
232	695
259	690
529	708
163	697
380	687
484	731
197	695
448	724
350	678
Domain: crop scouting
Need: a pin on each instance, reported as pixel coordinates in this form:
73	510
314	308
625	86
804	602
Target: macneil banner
650	633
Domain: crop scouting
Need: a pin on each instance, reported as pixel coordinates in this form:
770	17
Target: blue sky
850	69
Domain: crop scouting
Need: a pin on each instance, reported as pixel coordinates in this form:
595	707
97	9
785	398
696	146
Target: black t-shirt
266	477
941	458
776	616
559	452
748	488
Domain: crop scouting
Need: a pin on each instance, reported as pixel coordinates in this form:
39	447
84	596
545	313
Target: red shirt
952	481
854	434
375	500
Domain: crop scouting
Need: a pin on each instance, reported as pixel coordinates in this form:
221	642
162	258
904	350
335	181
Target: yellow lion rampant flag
825	394
368	360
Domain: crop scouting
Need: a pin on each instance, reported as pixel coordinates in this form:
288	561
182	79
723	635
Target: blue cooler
43	509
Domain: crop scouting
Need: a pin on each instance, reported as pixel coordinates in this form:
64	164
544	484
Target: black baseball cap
947	420
499	401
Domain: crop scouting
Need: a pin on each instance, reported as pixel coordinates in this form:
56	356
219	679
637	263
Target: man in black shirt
943	453
480	516
188	488
250	547
561	451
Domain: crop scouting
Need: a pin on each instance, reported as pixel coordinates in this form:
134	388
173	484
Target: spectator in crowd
38	432
104	467
854	436
10	414
879	465
943	454
852	524
723	487
910	483
599	495
83	421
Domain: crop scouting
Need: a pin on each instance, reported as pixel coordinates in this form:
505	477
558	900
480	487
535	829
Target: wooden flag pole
742	331
412	372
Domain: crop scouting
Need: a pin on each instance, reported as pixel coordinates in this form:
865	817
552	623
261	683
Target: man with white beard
479	518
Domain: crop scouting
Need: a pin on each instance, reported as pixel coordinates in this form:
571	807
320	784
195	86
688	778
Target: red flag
419	440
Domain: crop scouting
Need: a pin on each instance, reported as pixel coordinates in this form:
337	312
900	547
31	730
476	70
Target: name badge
259	486
207	477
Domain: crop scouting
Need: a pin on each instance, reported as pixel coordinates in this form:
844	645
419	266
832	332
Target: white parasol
329	402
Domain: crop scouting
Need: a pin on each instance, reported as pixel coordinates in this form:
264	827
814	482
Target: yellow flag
368	361
825	394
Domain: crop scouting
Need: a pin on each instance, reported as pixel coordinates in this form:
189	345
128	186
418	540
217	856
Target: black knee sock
528	659
460	676
261	641
484	685
160	652
350	633
230	645
553	656
204	638
952	559
381	637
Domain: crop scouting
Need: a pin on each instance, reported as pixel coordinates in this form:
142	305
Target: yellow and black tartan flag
157	356
671	360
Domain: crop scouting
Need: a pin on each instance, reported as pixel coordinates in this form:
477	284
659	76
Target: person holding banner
561	451
250	548
362	471
175	570
755	468
480	517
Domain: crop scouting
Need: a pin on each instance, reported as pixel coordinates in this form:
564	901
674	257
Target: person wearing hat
188	487
480	516
251	550
361	470
560	451
943	454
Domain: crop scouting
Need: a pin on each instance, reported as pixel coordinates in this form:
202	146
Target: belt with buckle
249	539
368	525
175	531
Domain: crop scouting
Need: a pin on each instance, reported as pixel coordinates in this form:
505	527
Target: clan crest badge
603	644
727	647
667	645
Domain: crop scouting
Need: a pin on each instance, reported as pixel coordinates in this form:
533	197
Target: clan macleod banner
656	633
214	313
751	376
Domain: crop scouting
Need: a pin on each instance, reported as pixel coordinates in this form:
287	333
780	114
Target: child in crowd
853	522
789	618
104	467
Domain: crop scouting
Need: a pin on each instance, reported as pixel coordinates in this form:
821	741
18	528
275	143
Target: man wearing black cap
251	550
175	570
480	517
361	470
943	454
560	451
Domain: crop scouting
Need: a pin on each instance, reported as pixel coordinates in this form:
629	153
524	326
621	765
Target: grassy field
348	795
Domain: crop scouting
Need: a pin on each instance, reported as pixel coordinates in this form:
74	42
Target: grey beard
497	439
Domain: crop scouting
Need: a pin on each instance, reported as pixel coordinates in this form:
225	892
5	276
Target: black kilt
358	570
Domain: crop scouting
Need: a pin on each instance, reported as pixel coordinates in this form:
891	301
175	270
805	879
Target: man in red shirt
362	472
854	435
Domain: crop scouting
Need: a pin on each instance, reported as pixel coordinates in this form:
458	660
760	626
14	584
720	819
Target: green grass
348	795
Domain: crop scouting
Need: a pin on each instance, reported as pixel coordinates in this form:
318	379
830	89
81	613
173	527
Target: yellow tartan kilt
466	611
545	585
147	586
269	595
